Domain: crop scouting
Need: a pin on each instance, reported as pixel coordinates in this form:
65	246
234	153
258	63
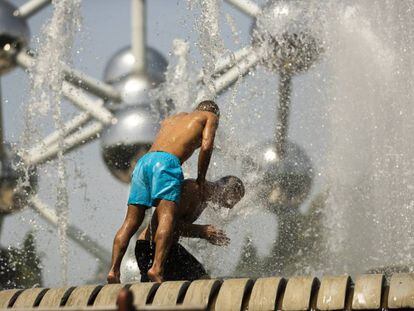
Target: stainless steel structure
122	63
124	113
14	32
296	48
288	180
128	139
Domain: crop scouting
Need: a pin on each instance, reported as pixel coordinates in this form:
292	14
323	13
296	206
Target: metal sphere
126	141
14	34
285	181
129	269
287	29
134	90
17	182
121	65
134	87
130	138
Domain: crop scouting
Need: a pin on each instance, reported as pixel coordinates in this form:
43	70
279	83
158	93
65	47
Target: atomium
129	269
284	28
285	181
126	117
134	86
124	142
128	139
122	63
14	34
17	182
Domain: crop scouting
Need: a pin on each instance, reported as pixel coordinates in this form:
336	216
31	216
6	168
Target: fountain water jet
369	167
47	79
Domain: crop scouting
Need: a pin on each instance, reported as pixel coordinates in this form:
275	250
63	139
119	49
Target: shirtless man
157	179
180	264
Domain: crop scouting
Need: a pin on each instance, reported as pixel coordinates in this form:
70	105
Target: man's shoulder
177	115
203	115
172	119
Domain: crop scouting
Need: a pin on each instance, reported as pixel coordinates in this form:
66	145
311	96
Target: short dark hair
235	182
210	106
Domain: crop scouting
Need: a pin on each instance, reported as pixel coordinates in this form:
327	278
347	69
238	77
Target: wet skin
192	205
180	135
183	133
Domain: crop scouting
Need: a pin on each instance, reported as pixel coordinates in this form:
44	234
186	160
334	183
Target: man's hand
114	277
215	236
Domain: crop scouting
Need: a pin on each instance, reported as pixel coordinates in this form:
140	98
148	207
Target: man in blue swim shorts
180	264
157	180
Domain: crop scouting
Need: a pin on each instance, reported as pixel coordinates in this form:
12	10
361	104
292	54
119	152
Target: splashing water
370	167
210	42
364	78
56	43
179	86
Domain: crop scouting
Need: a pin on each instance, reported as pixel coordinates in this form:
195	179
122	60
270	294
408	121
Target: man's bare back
157	181
183	133
180	263
190	208
192	205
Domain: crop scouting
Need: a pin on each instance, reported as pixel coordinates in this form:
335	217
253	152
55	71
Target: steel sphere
17	182
129	269
134	86
134	89
122	63
285	27
14	34
285	181
126	141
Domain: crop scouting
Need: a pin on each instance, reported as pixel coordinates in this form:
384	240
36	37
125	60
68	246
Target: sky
97	201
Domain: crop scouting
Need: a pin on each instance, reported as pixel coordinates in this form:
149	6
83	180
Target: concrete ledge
370	292
332	292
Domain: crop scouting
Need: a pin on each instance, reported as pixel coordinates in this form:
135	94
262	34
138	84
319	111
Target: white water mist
370	168
56	43
179	88
210	43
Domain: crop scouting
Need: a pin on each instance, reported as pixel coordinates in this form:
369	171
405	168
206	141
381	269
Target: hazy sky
97	200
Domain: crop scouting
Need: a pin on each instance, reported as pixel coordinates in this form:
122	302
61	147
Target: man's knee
163	233
166	208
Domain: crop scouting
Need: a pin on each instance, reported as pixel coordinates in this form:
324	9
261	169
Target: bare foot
113	277
155	276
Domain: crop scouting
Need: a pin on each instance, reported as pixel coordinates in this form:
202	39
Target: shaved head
210	106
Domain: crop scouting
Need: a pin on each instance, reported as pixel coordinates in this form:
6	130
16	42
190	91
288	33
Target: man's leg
144	254
133	220
181	265
165	212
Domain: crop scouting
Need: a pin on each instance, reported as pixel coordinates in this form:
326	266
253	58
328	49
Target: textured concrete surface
367	292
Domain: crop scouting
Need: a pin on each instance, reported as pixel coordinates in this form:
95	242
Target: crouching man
179	263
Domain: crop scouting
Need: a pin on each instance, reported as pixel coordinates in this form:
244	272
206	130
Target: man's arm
206	148
190	230
134	217
208	232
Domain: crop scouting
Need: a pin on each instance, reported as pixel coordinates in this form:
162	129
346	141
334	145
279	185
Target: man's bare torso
189	209
181	134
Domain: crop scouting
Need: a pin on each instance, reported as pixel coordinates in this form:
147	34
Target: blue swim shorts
157	175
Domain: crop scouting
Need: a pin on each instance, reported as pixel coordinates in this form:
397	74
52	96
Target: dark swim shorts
179	264
157	175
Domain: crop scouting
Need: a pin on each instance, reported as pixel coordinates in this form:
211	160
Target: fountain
347	213
369	166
